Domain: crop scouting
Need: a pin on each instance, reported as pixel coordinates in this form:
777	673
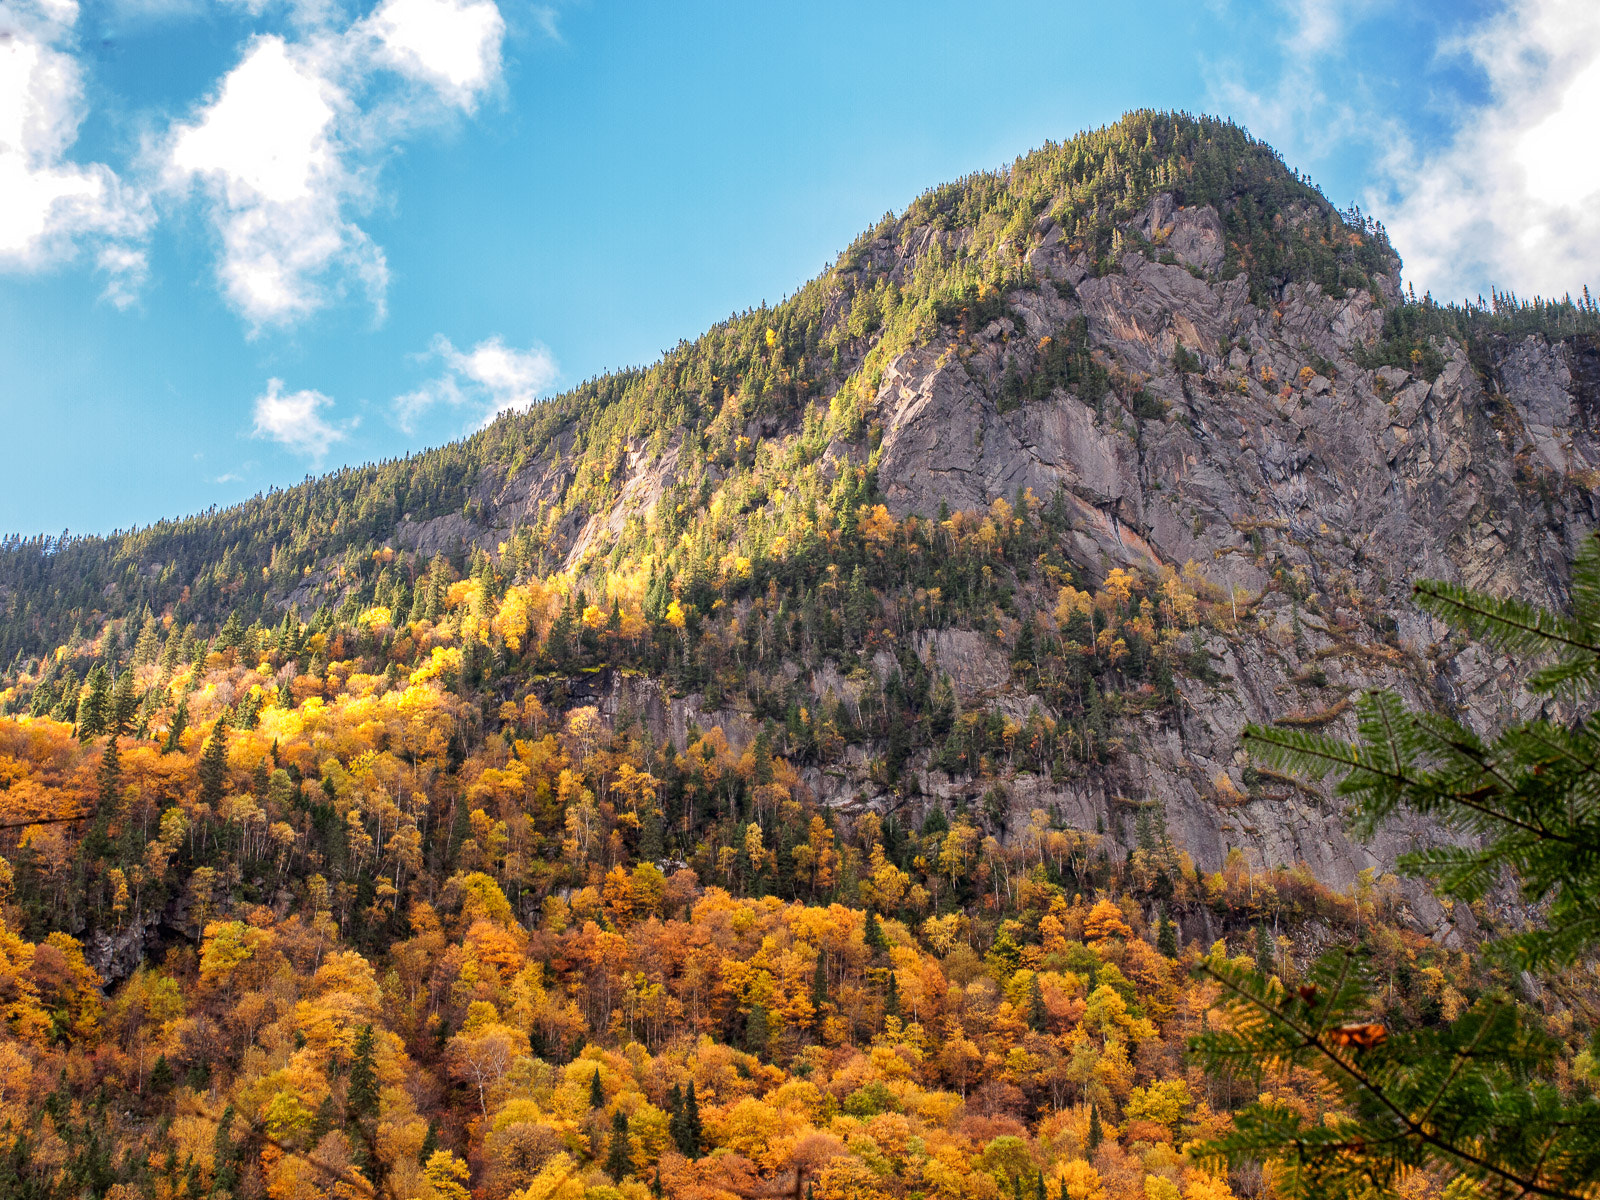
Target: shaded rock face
1274	456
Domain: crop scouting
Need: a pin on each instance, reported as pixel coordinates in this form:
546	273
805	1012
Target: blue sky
245	241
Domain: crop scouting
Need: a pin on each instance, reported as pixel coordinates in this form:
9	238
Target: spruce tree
94	710
1096	1135
124	703
597	1093
891	996
213	770
690	1136
1264	950
361	1095
1167	937
619	1158
1037	1013
819	983
175	727
757	1029
873	936
1486	1096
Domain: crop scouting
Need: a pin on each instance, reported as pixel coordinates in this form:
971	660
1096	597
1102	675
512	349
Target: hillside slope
1152	349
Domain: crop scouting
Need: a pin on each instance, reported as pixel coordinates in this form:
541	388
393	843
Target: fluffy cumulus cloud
1513	199
286	153
485	381
296	420
50	204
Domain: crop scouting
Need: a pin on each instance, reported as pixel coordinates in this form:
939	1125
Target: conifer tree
1167	937
1037	1013
175	727
213	769
891	996
94	711
124	703
361	1095
597	1093
757	1029
873	935
1485	1096
1264	950
619	1158
819	983
1096	1135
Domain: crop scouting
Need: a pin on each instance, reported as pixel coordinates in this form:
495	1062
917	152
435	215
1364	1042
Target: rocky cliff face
1248	441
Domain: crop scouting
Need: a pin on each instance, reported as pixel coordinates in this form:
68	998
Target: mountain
926	607
1192	361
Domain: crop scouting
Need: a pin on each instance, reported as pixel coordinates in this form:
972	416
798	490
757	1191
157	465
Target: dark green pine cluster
1488	1094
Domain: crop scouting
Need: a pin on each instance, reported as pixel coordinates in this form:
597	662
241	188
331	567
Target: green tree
94	710
757	1029
1167	937
1096	1134
213	768
619	1158
1265	951
361	1096
175	727
1484	1096
597	1093
685	1127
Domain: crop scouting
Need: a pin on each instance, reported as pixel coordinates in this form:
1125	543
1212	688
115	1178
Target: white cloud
48	203
265	153
454	47
1513	201
295	420
487	380
288	150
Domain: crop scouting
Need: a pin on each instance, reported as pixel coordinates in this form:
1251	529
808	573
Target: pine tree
1037	1013
1264	950
124	703
819	983
361	1095
110	776
757	1029
94	710
891	996
175	727
692	1141
1096	1135
148	646
1485	1096
619	1158
1167	937
597	1093
213	770
873	936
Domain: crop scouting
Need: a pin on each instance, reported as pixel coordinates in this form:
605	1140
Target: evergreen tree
1096	1135
619	1158
124	703
874	933
213	770
175	727
757	1029
110	776
361	1094
1264	950
891	996
161	1077
685	1126
1037	1013
1485	1096
94	710
819	983
1167	937
597	1093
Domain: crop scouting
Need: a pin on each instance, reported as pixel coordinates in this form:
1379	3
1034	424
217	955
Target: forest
334	866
